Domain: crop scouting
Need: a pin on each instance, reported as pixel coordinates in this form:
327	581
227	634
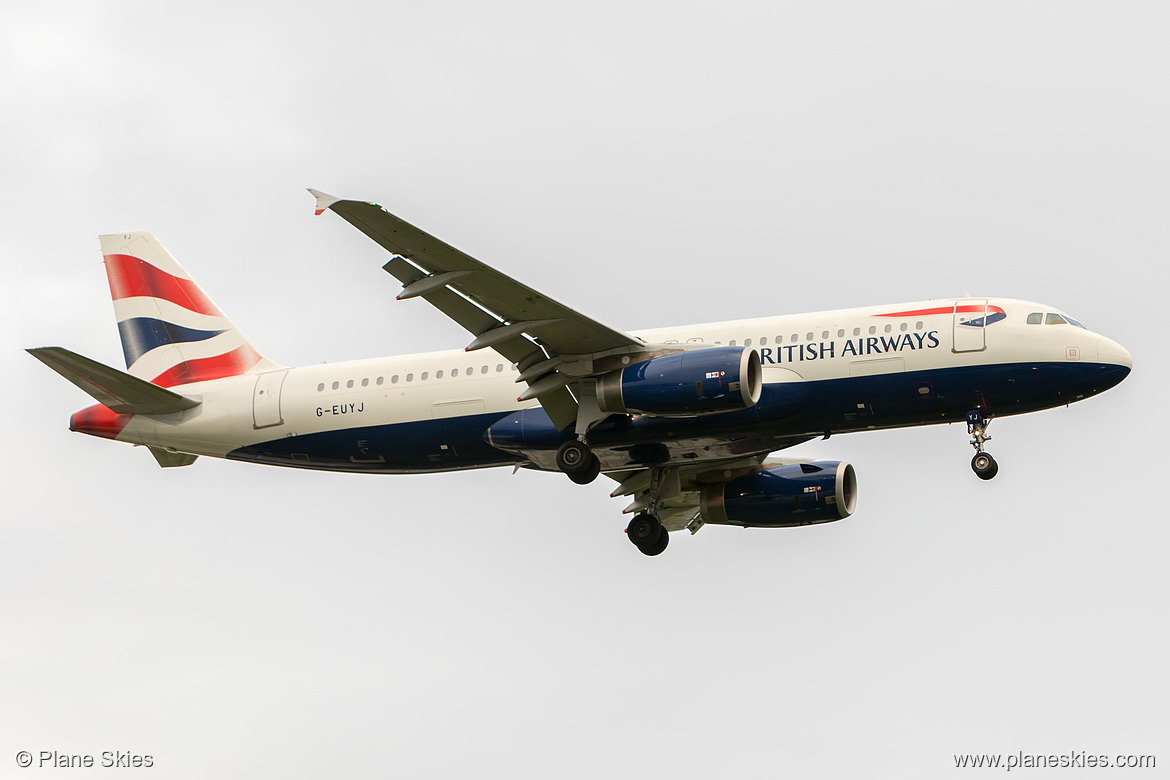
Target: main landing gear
578	462
647	534
982	464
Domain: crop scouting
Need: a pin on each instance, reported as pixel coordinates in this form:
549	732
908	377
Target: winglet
324	200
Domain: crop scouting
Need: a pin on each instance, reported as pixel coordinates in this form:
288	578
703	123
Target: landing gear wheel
590	474
576	460
647	534
659	546
984	465
644	530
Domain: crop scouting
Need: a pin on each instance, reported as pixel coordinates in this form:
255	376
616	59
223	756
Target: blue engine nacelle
684	384
800	494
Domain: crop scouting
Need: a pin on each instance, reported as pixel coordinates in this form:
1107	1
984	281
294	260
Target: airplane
685	419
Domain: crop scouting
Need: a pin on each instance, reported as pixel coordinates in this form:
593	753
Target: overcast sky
649	164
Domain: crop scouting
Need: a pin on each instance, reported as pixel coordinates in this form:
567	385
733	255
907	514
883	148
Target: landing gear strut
647	534
982	464
578	462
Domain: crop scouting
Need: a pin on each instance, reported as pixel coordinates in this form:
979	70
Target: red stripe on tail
233	363
131	277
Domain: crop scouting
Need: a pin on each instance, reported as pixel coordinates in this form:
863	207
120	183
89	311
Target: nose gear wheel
982	464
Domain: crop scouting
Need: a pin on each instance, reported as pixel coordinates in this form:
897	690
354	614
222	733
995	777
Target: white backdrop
649	164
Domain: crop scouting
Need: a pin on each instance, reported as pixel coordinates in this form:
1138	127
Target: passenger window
499	367
438	374
394	379
905	326
889	328
349	383
1035	318
747	342
808	336
825	334
410	377
841	333
380	379
454	373
763	340
321	388
423	376
730	343
857	331
365	381
918	325
483	370
336	385
1053	319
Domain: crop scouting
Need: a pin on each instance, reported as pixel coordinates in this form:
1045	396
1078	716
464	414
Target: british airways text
871	345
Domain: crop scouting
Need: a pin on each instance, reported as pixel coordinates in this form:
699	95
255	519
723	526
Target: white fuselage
820	347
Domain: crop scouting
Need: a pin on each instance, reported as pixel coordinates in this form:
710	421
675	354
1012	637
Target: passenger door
970	325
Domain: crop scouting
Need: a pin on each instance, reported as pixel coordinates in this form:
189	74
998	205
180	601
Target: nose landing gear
982	464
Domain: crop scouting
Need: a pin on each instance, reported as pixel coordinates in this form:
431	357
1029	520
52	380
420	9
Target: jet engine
782	497
684	384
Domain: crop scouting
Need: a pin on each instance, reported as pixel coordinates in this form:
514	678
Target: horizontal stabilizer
116	390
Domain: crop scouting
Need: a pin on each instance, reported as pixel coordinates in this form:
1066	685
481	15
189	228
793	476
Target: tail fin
172	334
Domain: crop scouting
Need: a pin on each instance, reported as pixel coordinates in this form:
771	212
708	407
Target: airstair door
266	399
970	325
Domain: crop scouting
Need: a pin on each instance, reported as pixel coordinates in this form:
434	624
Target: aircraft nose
1109	351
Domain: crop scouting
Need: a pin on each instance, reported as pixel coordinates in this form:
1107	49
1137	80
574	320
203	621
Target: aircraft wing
551	344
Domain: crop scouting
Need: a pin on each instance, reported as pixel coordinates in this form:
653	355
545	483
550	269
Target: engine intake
782	497
684	384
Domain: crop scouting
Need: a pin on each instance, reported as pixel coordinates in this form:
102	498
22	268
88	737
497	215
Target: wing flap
116	390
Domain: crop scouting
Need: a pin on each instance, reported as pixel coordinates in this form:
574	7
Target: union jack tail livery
172	334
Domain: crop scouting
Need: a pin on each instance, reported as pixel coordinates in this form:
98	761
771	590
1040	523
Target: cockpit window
1052	318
